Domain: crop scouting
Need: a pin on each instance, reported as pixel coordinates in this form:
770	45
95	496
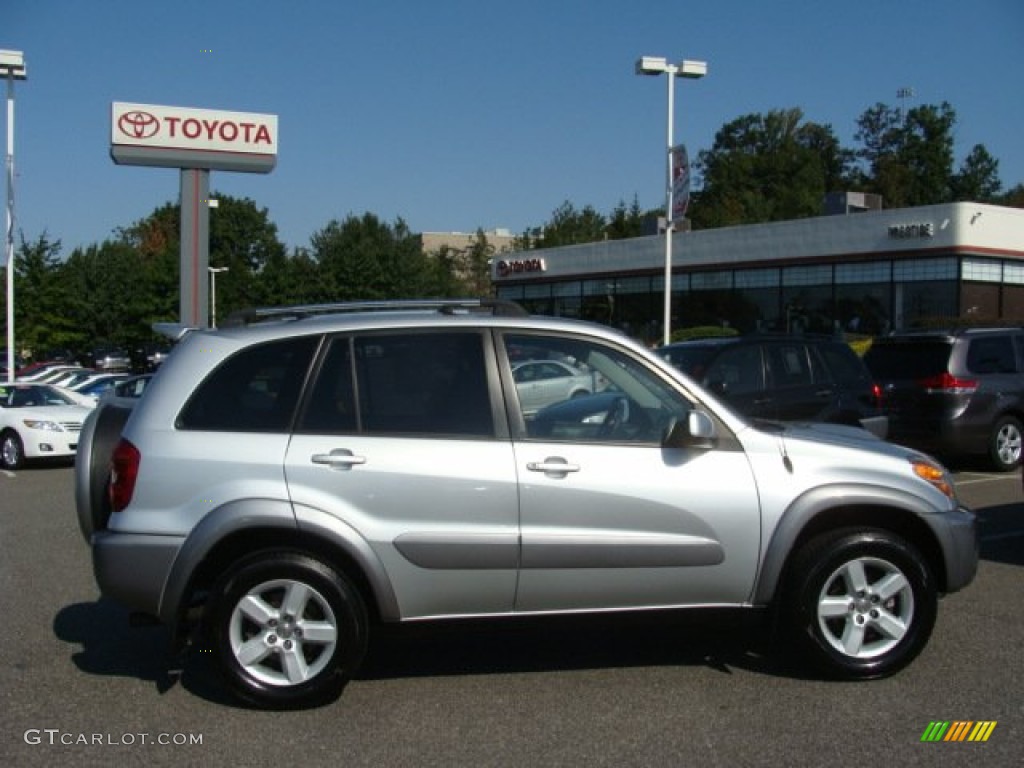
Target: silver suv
287	483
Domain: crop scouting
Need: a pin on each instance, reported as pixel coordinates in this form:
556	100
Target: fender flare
805	508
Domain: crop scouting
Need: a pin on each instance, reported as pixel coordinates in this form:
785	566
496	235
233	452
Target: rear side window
991	354
788	365
255	390
410	383
908	360
843	363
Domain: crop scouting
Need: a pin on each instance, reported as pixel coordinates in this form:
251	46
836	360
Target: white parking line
985	479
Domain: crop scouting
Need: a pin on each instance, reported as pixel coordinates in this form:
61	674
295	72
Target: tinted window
255	390
787	365
331	405
430	383
843	363
917	359
690	360
737	371
991	354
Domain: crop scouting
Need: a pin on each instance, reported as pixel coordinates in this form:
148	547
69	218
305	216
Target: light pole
658	65
214	271
12	67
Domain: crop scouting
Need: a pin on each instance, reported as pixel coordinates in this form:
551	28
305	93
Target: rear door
401	441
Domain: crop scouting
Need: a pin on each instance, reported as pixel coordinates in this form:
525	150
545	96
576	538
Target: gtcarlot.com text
57	737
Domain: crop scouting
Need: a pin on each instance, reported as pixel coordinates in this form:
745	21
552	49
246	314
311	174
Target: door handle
339	458
553	465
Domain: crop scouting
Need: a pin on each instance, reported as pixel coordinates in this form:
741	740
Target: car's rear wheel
287	630
862	603
1005	444
12	451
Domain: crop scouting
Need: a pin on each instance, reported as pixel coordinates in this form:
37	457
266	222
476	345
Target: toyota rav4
300	475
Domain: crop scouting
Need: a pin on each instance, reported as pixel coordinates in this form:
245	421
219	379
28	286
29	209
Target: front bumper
132	568
958	532
45	444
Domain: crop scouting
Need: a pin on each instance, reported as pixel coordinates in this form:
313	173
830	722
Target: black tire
1005	444
861	603
12	451
286	668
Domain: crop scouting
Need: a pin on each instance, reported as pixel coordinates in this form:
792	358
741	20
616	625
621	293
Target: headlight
49	426
934	474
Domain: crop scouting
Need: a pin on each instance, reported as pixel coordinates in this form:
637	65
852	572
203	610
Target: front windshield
31	396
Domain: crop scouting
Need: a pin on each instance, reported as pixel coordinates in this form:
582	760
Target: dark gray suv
954	392
785	378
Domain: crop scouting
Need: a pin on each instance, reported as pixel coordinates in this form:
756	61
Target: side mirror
697	430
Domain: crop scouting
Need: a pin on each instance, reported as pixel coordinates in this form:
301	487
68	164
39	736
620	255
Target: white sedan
540	383
37	421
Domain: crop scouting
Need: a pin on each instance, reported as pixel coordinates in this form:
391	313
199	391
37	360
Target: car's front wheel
287	629
12	451
862	603
1005	444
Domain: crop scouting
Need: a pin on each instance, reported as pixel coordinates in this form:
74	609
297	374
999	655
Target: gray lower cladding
438	551
962	547
132	568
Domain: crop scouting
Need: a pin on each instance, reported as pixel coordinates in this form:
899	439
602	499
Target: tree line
761	167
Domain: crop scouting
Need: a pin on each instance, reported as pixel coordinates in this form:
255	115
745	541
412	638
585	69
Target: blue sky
459	114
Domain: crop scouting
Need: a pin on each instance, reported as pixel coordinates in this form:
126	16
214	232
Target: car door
400	440
612	519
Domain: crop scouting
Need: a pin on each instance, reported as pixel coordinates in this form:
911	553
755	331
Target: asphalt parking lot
77	685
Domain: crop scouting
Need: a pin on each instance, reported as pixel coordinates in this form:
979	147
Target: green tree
366	258
908	159
41	319
625	222
767	167
978	177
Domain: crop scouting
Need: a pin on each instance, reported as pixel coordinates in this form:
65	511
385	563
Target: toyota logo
138	124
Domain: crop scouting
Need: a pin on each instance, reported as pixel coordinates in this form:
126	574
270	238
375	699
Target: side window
332	408
992	354
787	365
736	371
427	383
842	363
255	390
615	397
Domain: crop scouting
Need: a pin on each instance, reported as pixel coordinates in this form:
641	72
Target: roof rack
498	307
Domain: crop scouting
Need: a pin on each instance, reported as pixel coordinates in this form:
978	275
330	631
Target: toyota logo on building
138	124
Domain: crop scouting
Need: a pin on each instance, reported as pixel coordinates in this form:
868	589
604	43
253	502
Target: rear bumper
132	568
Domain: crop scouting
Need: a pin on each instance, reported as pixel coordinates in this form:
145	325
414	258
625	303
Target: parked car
543	382
37	421
281	483
785	377
131	387
97	387
954	393
109	359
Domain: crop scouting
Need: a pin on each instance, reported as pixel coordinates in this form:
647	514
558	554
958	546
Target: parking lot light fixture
690	69
12	67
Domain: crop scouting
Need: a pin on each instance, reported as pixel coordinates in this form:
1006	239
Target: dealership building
868	271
